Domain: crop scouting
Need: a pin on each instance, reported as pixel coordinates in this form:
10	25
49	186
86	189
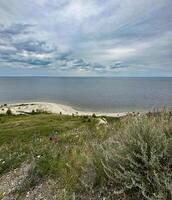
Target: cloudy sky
86	38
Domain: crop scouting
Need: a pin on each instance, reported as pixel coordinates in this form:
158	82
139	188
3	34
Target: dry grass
130	158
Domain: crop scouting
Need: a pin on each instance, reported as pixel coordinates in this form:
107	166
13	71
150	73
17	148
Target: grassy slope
25	138
131	156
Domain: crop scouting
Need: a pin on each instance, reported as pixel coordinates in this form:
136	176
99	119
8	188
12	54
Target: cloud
30	53
78	10
80	65
93	36
15	29
118	65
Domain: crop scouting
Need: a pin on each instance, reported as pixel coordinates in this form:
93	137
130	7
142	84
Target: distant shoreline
102	95
29	107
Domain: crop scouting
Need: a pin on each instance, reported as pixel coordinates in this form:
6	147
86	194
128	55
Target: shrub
33	112
139	161
89	120
9	112
94	115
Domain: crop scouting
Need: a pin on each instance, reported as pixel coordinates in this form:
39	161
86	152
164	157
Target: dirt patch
12	180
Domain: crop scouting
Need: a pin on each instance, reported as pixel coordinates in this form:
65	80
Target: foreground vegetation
126	158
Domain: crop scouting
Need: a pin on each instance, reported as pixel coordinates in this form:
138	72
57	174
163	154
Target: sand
27	108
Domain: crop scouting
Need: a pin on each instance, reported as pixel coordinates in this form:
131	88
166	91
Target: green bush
139	160
9	112
94	115
33	112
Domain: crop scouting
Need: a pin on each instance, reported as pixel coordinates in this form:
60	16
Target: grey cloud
64	56
80	64
30	52
93	36
118	65
34	46
15	29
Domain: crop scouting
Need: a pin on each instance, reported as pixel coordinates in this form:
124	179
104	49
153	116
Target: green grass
129	159
26	139
26	136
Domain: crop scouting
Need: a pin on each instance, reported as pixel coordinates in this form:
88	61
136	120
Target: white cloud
119	53
7	48
76	11
137	33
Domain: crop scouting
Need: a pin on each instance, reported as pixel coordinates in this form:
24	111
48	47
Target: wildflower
53	137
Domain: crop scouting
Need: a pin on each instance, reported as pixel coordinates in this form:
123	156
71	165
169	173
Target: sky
86	38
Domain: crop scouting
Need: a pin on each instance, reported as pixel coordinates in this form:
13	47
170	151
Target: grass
128	159
26	138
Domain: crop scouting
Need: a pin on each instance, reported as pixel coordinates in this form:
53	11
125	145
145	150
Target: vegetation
131	158
9	112
94	115
137	161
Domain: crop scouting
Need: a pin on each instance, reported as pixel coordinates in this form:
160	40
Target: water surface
92	94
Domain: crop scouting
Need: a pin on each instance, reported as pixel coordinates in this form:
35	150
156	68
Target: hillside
51	156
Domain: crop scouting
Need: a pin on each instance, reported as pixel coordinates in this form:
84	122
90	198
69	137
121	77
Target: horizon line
85	76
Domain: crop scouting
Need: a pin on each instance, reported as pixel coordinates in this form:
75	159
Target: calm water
96	94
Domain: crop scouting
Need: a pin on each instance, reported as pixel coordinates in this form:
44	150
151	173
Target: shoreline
29	107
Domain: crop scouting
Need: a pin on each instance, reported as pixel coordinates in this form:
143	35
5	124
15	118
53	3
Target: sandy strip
26	108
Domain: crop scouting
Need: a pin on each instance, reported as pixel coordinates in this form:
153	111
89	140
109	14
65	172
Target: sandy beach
29	107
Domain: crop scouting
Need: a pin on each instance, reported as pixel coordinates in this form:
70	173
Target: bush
9	112
139	160
94	115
